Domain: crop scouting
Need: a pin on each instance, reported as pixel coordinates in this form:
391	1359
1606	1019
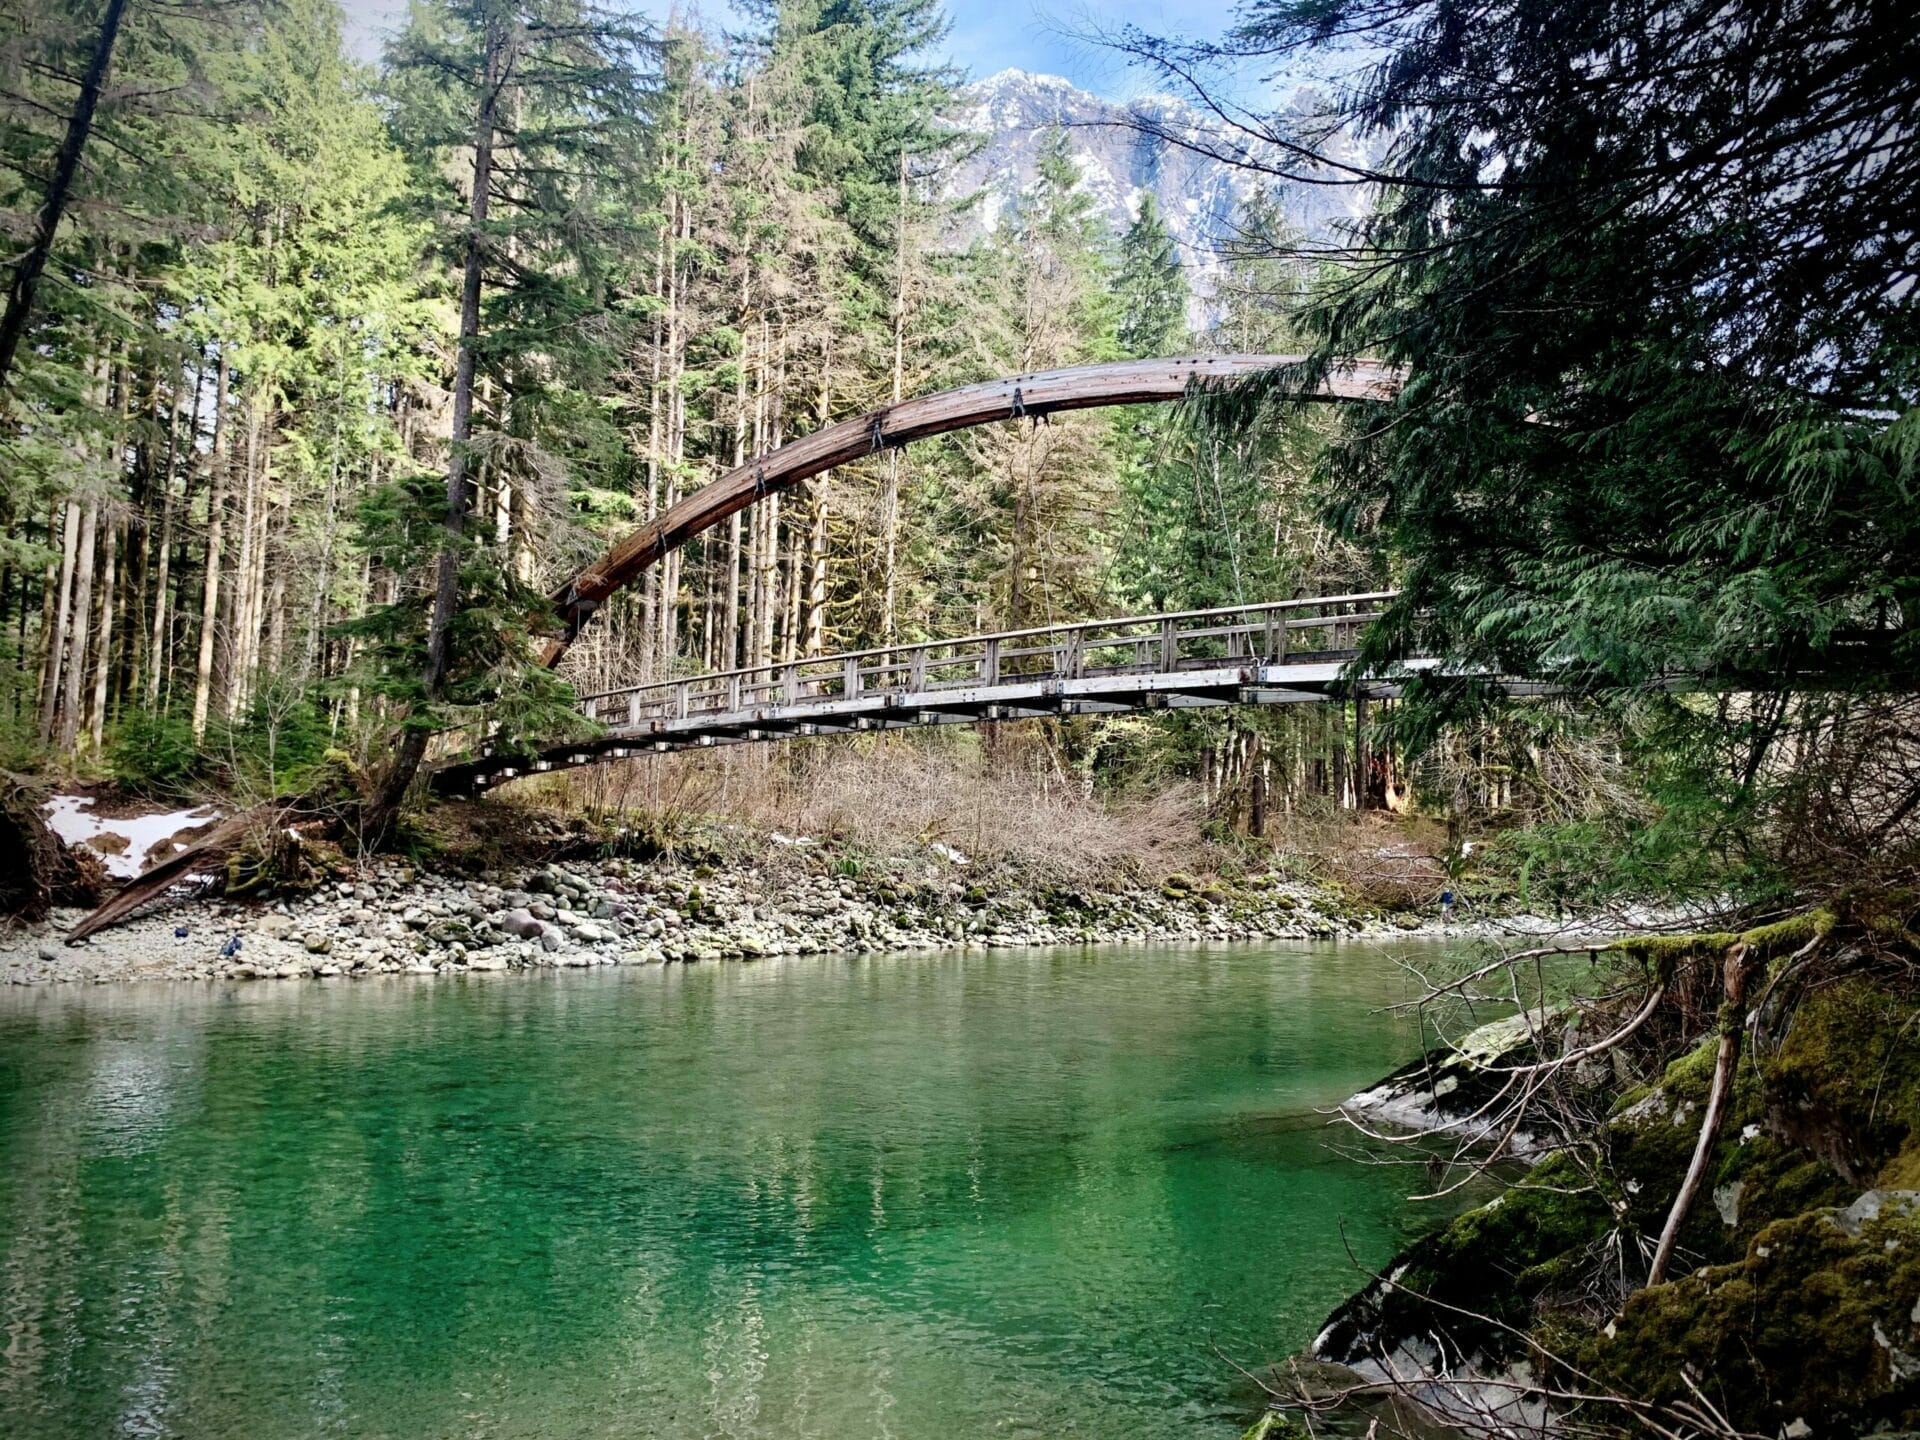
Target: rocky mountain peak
1121	158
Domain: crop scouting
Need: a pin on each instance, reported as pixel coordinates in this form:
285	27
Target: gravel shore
392	918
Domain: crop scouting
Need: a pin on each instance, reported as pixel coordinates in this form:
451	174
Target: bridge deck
1287	652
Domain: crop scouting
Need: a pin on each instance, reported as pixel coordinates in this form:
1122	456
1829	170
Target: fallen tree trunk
211	849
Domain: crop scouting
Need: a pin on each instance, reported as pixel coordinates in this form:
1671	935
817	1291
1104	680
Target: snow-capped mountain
1120	158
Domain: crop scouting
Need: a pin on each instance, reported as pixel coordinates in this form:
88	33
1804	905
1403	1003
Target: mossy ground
1813	1323
1781	1308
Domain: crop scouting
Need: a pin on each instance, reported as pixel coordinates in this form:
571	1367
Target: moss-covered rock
1475	1280
1754	1175
1803	1297
1819	1322
1844	1083
1455	1084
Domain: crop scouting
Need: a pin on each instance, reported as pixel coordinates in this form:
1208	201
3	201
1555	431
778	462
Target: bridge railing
1132	644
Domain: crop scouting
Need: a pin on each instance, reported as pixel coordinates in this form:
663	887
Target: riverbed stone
523	923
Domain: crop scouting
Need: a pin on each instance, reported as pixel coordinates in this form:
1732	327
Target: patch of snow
948	853
130	839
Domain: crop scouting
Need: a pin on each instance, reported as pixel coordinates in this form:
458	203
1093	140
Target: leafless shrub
1399	875
1845	776
893	793
1529	764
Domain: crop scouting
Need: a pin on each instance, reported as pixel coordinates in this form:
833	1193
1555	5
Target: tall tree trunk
890	495
239	626
795	591
27	270
656	432
73	696
216	535
384	806
110	681
680	217
174	629
277	592
816	606
312	658
103	665
730	625
256	632
56	657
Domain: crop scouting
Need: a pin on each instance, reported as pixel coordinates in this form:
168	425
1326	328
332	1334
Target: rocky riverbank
1794	1308
390	917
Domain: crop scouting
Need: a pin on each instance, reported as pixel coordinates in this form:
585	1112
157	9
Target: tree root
37	869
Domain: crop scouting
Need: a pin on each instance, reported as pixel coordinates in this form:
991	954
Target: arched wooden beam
1125	382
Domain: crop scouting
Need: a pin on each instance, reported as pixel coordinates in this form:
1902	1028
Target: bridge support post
1362	756
1257	763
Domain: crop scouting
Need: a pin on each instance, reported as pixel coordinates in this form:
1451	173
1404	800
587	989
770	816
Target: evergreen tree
545	96
28	267
1049	487
1660	335
867	100
1151	287
324	381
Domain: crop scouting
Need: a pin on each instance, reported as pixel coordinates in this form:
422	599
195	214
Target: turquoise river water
1008	1194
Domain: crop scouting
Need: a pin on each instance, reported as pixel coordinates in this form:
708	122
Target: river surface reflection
1005	1194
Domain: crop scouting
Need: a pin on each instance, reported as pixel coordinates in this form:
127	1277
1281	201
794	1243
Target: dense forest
319	377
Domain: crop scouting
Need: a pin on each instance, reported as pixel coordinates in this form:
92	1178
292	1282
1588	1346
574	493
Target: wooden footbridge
1031	397
1286	652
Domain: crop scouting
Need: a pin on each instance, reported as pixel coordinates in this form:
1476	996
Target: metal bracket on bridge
579	612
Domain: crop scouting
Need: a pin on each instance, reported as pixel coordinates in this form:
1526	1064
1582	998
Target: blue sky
988	35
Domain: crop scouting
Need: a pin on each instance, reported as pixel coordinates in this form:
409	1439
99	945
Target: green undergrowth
1686	839
275	746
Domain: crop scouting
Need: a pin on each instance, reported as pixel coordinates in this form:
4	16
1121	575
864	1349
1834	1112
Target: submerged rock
1449	1086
